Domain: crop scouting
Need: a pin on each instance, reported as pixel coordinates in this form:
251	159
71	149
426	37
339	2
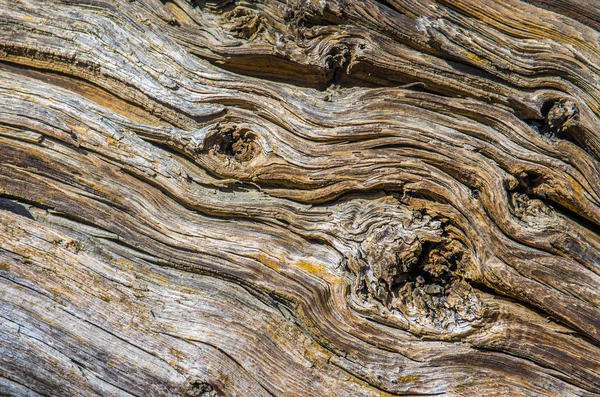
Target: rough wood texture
299	198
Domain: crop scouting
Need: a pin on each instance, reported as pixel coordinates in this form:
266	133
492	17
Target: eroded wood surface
299	198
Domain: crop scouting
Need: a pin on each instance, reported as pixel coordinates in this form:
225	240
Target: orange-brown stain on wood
265	261
318	269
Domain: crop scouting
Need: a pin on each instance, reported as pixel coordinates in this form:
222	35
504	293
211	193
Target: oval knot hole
561	115
234	142
200	389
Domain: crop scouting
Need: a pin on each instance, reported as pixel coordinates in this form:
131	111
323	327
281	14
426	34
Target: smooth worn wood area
299	198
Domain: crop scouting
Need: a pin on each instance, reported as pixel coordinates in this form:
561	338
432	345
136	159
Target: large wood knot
413	271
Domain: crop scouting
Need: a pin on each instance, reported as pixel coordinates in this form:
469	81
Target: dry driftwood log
299	197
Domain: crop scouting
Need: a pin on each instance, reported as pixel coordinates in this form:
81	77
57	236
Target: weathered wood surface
299	198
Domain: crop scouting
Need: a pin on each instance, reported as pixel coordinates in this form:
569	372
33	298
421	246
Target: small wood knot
244	23
560	120
527	208
561	115
234	142
200	389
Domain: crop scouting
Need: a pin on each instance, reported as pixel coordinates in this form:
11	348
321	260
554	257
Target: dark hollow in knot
560	120
234	142
200	389
529	180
